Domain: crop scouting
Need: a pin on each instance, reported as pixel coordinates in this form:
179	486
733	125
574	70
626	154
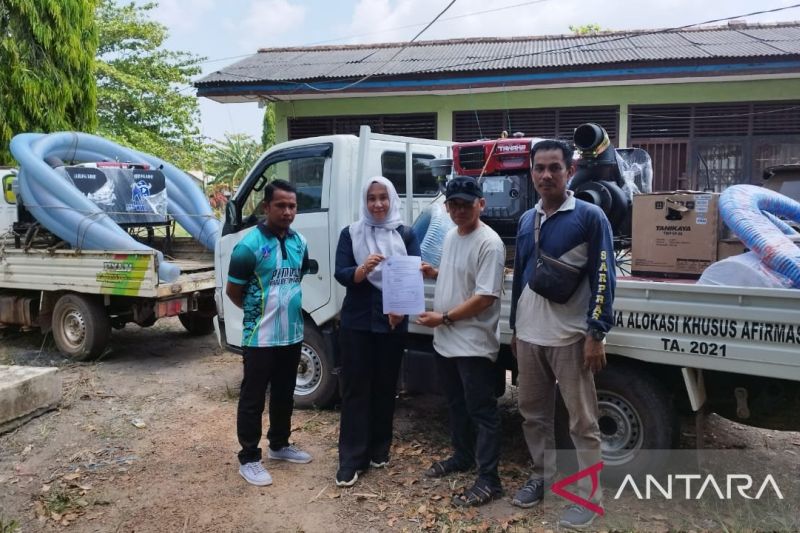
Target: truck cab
328	173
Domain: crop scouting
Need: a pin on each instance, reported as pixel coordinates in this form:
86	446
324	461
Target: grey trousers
540	367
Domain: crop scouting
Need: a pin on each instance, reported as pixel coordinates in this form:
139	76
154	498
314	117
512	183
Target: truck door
308	168
8	201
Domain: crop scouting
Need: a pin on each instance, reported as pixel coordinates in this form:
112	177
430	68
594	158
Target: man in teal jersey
264	277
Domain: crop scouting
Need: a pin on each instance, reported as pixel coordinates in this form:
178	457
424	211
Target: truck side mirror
8	189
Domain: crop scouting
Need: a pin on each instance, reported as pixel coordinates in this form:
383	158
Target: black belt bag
552	278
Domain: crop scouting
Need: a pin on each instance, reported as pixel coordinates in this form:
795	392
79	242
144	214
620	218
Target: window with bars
422	125
715	145
715	120
549	123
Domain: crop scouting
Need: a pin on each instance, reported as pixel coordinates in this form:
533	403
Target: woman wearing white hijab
372	343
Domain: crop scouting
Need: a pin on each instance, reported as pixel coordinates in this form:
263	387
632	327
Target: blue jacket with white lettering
561	232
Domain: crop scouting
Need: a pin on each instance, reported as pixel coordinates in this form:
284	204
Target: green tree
140	103
231	159
268	133
47	50
586	29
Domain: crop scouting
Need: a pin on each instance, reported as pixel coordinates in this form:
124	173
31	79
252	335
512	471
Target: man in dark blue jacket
561	342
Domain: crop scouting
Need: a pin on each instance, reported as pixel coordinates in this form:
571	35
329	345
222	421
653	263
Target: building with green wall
713	106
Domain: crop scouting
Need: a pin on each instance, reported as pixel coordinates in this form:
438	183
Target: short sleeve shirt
471	264
271	269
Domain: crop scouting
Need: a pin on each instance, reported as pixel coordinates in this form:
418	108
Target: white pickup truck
80	295
676	346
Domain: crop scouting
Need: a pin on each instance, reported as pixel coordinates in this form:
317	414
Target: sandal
478	494
442	468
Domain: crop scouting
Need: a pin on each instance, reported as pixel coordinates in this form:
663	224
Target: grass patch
58	501
8	525
231	393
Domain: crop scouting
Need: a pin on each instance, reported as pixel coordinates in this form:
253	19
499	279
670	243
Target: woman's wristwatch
446	320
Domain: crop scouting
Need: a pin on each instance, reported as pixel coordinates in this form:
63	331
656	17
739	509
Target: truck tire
197	323
638	423
316	385
81	327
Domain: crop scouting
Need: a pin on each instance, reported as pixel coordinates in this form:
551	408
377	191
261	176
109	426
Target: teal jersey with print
271	269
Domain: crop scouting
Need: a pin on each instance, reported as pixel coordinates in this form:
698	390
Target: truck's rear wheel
638	424
316	384
81	327
197	323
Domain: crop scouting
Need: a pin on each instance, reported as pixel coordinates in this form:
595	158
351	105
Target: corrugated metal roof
524	53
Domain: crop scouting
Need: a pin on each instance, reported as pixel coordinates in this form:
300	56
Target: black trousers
275	367
368	385
469	384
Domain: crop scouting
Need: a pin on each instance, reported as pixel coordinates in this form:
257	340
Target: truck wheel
196	323
638	424
316	384
81	327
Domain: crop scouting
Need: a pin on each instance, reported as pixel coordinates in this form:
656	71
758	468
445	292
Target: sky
225	31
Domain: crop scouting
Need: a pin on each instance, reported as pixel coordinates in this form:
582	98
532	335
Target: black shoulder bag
554	279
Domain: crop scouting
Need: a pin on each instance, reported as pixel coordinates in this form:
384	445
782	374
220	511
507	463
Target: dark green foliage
47	50
268	133
140	100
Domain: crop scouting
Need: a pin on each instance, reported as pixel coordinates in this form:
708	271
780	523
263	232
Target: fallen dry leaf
382	507
71	477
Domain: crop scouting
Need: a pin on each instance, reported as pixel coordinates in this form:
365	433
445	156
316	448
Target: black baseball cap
463	188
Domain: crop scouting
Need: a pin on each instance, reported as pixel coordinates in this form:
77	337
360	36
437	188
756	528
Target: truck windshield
304	173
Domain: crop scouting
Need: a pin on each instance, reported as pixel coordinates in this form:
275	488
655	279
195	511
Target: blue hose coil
751	212
66	212
433	223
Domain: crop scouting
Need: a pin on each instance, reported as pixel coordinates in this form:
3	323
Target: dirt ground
144	440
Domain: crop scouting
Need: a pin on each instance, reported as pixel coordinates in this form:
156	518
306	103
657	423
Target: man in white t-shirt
466	317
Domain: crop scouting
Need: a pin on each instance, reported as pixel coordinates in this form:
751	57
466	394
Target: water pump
609	178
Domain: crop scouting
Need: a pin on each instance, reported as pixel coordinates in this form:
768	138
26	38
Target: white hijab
372	237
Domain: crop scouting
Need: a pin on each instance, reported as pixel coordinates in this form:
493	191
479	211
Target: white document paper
403	289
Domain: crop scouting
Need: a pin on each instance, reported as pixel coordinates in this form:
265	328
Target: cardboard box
674	234
730	247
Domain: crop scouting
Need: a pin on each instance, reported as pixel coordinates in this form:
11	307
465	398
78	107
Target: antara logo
593	472
743	483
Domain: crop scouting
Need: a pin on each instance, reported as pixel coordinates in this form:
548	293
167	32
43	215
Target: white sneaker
255	474
290	453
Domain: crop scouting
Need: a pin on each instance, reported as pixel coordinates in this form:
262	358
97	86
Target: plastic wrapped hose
66	212
741	208
434	223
